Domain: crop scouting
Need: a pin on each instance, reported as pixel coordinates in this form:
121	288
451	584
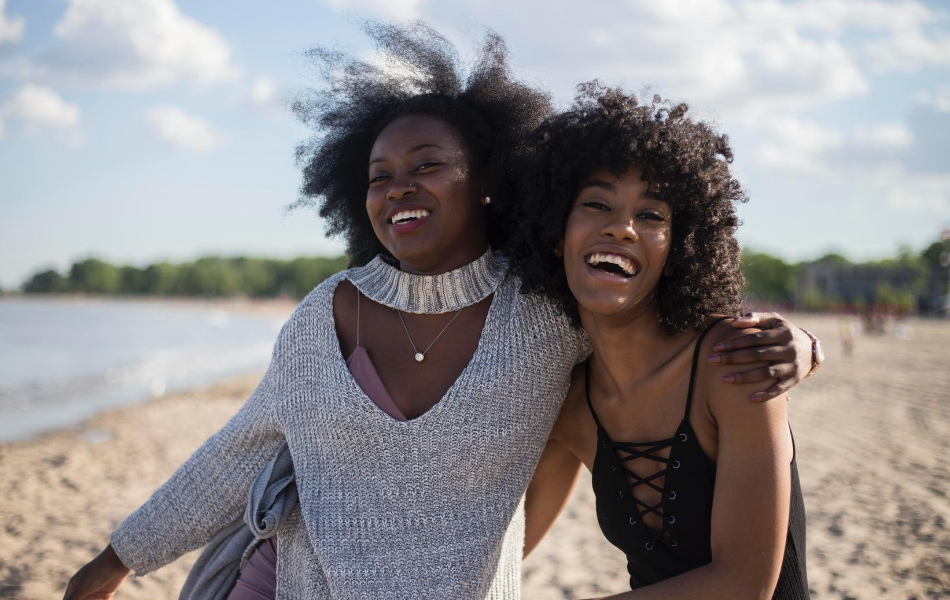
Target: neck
443	263
627	348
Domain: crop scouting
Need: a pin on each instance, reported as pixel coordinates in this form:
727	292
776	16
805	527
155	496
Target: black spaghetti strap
587	392
692	371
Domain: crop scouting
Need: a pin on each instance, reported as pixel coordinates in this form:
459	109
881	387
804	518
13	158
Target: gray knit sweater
427	508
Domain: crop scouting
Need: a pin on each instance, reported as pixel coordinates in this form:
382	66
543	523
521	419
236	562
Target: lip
411	225
612	278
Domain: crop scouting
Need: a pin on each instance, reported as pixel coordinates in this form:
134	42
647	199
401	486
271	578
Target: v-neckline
367	404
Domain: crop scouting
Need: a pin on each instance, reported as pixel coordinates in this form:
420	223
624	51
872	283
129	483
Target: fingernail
715	359
728	378
758	397
719	347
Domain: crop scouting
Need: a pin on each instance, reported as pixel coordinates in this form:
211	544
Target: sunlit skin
419	162
639	382
605	220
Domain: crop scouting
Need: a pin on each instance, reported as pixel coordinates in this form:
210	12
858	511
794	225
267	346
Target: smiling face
422	199
616	244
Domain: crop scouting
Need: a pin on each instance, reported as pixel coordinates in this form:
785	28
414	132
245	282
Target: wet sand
872	434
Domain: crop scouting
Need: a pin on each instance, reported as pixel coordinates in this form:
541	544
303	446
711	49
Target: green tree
46	282
209	276
834	258
133	280
94	276
931	256
259	276
768	277
161	279
304	274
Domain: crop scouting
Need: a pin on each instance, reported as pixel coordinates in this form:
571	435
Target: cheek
574	233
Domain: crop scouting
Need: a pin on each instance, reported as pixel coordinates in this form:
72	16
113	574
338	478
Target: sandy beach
873	442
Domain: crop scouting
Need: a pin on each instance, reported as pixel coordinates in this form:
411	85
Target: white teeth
404	215
621	261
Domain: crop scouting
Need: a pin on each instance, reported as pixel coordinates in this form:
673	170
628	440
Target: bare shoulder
729	404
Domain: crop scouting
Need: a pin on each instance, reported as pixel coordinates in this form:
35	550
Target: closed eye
427	165
595	205
378	178
649	216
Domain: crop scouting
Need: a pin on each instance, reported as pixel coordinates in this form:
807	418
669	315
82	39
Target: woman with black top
695	483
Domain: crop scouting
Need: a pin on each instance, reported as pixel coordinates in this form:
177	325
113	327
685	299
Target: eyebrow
600	184
606	185
413	149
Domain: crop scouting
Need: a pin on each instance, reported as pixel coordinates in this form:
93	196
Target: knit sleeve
209	491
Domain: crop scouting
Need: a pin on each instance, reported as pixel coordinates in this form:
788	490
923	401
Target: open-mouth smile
613	265
404	220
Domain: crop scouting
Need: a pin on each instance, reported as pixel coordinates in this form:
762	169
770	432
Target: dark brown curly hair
686	160
420	73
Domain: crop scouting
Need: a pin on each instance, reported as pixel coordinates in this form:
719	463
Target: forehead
628	184
411	131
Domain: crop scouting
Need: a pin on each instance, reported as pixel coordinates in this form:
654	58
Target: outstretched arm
204	495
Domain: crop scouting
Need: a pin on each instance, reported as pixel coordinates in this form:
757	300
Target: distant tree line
208	276
769	278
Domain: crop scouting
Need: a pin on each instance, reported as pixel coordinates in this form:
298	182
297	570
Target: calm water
62	361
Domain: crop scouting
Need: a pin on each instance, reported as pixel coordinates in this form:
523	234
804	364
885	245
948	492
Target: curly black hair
420	74
688	163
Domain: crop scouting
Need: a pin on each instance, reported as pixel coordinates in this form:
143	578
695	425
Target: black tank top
686	488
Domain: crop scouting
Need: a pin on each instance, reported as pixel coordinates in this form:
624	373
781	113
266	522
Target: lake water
64	360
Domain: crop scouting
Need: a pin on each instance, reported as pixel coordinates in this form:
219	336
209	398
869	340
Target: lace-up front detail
622	456
629	452
676	498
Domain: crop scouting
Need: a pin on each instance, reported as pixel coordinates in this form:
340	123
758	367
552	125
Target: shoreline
244	305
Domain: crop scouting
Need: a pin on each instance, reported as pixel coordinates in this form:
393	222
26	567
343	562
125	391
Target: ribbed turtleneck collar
430	294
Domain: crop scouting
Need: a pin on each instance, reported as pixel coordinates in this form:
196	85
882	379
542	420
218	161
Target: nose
621	228
401	189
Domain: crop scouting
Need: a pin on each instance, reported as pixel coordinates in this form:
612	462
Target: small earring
557	251
486	200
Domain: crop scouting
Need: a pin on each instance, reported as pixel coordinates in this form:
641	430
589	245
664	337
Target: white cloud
11	28
41	109
939	99
796	145
399	9
927	192
742	58
176	127
41	106
134	44
263	90
885	135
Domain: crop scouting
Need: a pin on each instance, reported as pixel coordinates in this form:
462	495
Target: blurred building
828	284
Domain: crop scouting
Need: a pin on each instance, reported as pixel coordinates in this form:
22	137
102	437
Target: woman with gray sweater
415	391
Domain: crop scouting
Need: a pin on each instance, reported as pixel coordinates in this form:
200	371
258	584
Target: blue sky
139	130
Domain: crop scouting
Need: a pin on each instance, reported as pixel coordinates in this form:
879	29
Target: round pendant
420	356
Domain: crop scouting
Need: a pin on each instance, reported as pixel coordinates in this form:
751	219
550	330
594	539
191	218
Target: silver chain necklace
420	356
